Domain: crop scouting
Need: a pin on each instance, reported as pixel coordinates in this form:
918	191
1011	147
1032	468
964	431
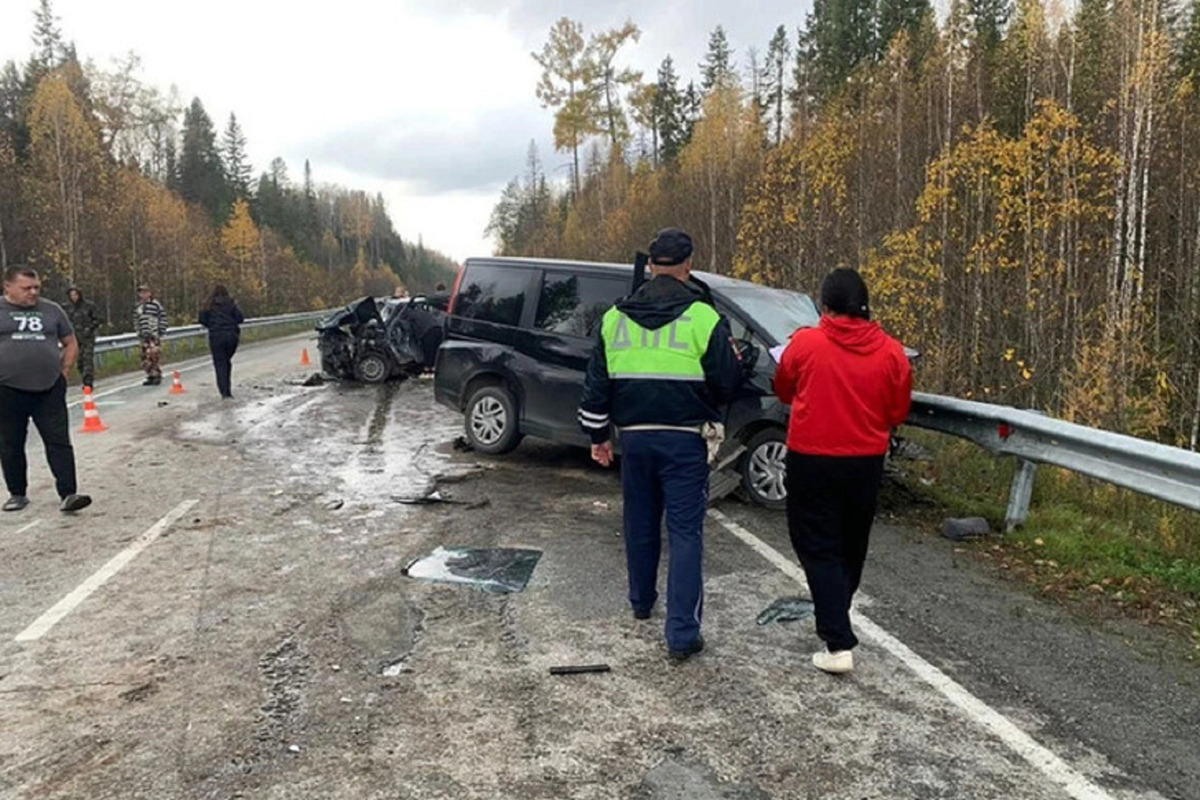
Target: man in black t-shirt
37	351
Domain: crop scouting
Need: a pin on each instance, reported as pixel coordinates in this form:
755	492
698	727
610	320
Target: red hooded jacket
848	384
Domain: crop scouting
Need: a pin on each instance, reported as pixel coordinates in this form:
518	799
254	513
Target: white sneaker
837	662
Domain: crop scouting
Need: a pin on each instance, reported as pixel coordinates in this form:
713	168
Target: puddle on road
498	569
786	609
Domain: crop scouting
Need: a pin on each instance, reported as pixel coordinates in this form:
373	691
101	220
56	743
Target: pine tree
201	175
233	149
991	17
895	16
717	67
843	36
774	84
48	48
672	125
803	95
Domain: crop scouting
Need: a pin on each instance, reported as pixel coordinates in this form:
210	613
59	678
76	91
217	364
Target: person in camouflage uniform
85	321
150	322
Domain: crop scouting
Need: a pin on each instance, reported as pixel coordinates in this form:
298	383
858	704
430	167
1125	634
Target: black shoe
149	381
687	652
74	502
16	502
642	614
157	379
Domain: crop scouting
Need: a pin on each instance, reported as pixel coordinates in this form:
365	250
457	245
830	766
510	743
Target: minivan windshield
779	311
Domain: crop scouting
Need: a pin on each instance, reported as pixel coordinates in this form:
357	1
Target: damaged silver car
374	340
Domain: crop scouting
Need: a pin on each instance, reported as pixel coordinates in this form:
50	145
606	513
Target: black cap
844	292
670	247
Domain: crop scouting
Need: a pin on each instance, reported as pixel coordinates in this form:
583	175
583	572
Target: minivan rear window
573	304
492	294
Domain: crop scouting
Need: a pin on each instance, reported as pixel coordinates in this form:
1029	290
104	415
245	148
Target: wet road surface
260	639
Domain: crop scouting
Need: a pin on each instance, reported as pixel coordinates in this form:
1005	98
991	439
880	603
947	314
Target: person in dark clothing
85	321
223	319
37	351
848	384
663	364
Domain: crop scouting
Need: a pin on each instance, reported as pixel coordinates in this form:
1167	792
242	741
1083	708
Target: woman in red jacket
848	384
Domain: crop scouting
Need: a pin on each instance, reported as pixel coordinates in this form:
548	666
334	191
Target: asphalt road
232	619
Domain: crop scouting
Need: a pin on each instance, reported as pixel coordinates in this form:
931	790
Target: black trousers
223	346
830	507
48	410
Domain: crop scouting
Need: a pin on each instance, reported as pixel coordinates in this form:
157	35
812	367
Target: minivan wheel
764	468
491	420
371	368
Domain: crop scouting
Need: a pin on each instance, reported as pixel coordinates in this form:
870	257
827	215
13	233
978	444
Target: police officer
662	365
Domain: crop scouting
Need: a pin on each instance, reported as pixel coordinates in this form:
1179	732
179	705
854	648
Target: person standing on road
223	319
849	384
85	321
150	322
37	351
662	365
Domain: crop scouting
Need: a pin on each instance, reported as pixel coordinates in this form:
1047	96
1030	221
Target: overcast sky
430	102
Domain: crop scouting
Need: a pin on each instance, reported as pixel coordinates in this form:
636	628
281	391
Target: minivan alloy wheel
764	470
488	420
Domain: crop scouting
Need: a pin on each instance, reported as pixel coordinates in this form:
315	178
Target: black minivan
519	333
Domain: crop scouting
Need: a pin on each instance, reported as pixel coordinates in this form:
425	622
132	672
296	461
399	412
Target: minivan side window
573	303
492	294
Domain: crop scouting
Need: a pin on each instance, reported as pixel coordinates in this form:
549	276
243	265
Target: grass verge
1086	542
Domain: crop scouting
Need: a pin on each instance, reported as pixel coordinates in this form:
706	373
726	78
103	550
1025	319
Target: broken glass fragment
786	609
496	569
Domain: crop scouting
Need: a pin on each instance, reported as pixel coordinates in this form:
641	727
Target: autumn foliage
1020	189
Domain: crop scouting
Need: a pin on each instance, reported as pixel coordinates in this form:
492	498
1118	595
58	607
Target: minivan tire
491	420
372	368
764	469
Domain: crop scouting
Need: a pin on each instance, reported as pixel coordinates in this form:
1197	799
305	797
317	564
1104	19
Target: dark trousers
48	410
666	472
830	507
223	346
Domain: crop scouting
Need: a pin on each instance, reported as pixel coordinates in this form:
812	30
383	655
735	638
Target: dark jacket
84	318
223	317
622	401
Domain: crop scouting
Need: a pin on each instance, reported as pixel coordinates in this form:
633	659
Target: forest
107	183
1018	182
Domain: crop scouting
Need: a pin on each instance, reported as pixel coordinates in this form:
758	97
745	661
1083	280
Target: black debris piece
316	379
580	669
462	445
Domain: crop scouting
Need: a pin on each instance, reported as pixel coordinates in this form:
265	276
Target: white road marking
33	524
65	606
1075	783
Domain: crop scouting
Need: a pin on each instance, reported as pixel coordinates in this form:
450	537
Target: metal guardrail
1158	470
126	341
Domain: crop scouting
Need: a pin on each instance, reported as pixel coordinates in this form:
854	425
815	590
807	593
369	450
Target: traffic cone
176	387
304	362
91	417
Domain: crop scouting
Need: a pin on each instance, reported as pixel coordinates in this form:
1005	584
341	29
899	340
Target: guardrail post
1020	495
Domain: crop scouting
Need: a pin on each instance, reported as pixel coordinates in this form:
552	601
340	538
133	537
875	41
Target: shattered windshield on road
497	569
779	311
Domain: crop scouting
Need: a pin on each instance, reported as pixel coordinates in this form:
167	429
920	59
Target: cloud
480	153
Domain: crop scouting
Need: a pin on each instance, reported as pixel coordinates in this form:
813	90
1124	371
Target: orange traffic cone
91	417
304	362
177	387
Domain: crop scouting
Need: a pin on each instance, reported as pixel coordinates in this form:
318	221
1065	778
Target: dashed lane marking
1075	783
68	604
